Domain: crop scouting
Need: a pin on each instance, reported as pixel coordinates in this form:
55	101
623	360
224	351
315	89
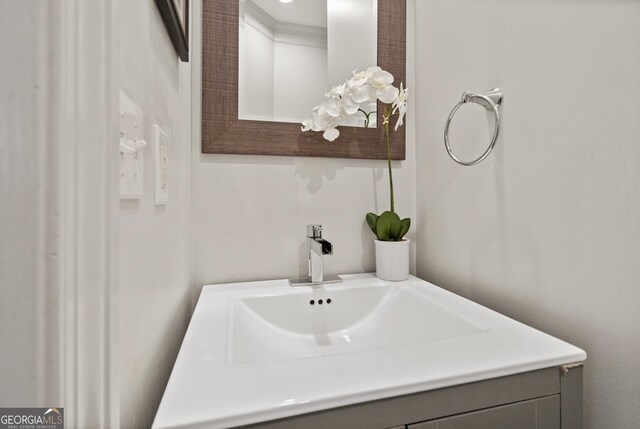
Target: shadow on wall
314	172
315	178
332	191
368	251
504	245
163	48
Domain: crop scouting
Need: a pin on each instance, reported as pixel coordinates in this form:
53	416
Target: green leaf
394	230
382	229
405	225
386	224
372	218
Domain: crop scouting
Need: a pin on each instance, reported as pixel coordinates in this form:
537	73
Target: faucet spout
318	247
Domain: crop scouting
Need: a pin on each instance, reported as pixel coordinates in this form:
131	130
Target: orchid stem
367	118
386	129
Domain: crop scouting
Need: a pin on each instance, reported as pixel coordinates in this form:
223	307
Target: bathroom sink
264	350
312	322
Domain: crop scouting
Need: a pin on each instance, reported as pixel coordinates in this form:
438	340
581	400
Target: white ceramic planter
392	260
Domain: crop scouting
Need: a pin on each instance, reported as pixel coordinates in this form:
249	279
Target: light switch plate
161	155
131	137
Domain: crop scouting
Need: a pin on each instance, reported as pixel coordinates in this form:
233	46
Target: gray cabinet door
543	413
446	408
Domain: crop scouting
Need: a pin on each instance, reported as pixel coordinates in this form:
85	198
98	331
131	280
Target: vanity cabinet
543	413
549	398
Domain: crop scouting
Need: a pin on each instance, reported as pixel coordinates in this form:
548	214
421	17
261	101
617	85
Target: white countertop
217	384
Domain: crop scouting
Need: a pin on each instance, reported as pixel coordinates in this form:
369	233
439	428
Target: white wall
255	70
155	250
22	206
275	78
300	80
546	229
58	214
352	37
250	212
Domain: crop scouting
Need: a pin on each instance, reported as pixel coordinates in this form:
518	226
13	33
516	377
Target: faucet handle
314	231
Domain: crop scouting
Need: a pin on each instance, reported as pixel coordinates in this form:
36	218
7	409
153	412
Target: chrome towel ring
490	100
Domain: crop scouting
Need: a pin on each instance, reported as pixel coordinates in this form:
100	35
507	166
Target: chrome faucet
317	247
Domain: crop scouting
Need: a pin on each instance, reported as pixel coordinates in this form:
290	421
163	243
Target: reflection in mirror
291	53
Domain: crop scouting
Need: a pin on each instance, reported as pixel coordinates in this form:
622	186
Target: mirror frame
224	133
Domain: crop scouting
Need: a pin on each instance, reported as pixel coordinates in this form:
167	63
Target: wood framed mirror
223	132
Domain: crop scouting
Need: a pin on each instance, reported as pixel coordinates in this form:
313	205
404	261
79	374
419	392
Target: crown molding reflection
281	32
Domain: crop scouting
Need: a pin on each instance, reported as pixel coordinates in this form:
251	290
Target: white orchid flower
387	94
332	106
337	91
320	121
343	102
359	78
372	70
400	106
361	94
307	125
331	134
362	77
380	78
349	106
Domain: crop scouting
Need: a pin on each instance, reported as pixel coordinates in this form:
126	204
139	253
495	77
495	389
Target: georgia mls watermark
31	418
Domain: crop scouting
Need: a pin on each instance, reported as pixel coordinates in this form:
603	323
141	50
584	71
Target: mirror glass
291	52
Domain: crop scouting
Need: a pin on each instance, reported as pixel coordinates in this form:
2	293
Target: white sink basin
277	328
260	351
